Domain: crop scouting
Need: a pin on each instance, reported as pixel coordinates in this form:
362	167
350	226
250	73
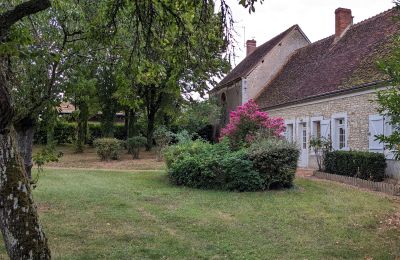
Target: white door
303	141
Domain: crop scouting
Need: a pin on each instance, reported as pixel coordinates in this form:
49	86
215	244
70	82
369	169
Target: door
303	141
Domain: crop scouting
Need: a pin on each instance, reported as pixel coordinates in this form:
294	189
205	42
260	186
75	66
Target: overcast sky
315	17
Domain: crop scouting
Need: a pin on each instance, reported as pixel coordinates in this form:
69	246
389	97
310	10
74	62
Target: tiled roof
247	64
329	66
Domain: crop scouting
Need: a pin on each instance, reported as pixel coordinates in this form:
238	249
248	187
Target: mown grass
123	215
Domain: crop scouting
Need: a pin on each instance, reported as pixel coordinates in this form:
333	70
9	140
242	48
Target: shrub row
265	165
363	165
65	133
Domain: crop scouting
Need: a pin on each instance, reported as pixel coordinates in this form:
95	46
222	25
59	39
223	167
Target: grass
122	215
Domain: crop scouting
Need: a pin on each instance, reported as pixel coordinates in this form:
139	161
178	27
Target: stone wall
358	107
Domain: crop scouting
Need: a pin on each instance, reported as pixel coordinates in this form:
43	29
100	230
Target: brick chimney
343	19
251	45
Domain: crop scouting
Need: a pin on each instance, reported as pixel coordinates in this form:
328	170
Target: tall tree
22	233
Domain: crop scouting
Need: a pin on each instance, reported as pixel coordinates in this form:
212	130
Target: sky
315	17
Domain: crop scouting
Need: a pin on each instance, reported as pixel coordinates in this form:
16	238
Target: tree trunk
24	132
82	126
22	233
132	126
150	130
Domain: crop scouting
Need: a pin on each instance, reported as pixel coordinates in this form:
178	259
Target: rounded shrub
134	144
108	148
265	165
275	160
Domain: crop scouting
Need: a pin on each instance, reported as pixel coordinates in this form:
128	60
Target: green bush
240	174
134	144
197	164
363	165
94	130
120	131
64	133
108	148
276	162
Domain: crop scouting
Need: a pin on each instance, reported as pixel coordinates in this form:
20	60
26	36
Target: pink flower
248	119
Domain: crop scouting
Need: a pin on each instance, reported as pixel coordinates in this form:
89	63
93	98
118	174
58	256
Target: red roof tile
327	66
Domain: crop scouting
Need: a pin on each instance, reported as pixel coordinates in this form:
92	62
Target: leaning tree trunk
24	132
23	235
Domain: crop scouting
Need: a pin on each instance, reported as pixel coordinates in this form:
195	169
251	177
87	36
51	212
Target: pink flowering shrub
247	121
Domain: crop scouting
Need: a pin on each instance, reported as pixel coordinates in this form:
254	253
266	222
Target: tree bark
132	124
22	233
24	133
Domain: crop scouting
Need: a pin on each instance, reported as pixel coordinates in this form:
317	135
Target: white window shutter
388	130
375	128
326	129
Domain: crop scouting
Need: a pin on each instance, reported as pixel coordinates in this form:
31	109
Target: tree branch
8	18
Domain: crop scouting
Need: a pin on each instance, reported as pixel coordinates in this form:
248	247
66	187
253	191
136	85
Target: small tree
162	137
134	144
321	146
247	121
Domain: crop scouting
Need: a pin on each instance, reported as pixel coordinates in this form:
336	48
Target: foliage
184	136
163	137
45	155
108	148
134	144
195	116
246	121
64	132
389	106
321	147
363	165
275	160
179	151
389	99
265	165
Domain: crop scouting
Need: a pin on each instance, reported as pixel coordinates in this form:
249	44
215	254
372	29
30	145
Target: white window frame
293	123
313	120
334	134
299	121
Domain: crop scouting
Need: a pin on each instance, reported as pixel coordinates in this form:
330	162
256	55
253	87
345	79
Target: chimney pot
251	45
343	19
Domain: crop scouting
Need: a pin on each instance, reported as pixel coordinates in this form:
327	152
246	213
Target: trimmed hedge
266	165
363	165
65	133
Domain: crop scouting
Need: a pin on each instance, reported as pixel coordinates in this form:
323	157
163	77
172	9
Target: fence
389	188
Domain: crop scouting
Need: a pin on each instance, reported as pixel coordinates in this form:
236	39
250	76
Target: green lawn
122	215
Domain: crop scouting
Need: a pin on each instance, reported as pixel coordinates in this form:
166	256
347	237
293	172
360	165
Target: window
289	132
316	126
304	136
341	133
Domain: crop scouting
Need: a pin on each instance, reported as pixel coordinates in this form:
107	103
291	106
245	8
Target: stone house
323	89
